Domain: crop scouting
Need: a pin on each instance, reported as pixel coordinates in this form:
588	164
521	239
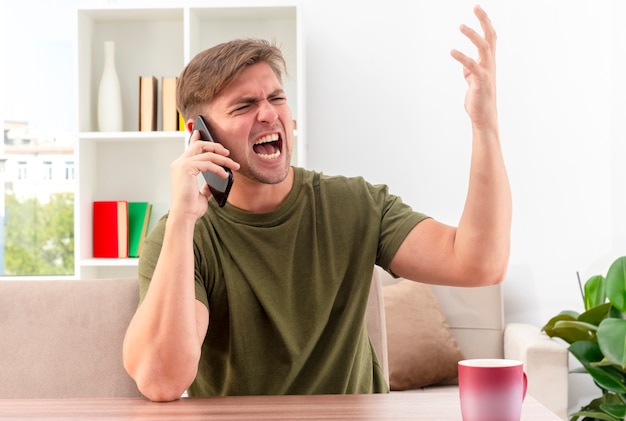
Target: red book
110	228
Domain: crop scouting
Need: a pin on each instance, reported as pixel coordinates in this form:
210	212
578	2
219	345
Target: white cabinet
159	41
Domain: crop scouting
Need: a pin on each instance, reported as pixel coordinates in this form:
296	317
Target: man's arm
163	342
477	251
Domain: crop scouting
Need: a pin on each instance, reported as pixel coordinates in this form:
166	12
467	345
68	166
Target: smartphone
220	187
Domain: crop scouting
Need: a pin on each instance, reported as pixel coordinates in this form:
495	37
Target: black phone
220	187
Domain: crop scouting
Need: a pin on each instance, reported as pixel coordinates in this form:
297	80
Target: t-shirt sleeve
149	256
397	220
148	260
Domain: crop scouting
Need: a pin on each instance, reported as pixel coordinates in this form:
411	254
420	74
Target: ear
189	125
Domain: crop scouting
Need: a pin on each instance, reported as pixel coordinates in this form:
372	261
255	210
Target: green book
138	219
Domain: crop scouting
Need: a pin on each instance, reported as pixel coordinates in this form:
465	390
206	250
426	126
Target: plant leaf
612	341
596	314
616	410
564	315
616	283
578	325
604	363
597	415
573	331
595	292
606	377
593	410
569	337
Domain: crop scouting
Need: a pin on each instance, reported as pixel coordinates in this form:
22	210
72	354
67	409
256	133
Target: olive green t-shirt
287	290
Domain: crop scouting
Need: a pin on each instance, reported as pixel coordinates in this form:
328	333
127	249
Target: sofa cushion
421	349
63	338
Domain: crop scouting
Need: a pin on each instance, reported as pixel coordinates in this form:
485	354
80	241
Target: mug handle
525	385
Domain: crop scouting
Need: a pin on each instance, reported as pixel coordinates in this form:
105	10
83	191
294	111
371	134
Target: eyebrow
253	99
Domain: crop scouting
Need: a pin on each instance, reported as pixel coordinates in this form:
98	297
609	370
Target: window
47	170
69	171
22	170
38	114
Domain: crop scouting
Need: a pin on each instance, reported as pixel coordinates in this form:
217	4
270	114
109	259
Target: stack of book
119	228
148	104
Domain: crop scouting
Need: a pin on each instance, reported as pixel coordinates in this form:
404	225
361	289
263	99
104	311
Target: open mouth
268	147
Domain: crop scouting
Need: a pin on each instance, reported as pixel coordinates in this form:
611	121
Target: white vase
109	93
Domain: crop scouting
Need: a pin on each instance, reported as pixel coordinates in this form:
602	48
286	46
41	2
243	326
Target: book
181	123
110	228
168	104
147	103
138	219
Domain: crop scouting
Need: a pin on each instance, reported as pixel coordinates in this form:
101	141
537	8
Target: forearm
482	241
476	252
162	345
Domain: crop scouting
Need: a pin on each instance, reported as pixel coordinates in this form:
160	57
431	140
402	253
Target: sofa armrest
545	363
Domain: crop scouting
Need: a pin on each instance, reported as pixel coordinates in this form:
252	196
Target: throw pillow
421	348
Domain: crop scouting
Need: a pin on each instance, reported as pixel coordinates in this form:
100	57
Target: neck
255	197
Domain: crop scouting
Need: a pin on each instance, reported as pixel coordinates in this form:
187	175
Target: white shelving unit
158	41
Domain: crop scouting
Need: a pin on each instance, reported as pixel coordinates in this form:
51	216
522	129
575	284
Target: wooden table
396	406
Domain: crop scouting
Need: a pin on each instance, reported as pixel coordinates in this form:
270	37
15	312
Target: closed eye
245	104
242	108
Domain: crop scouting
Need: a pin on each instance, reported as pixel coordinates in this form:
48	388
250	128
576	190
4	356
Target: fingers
484	43
467	62
198	146
211	156
486	25
195	136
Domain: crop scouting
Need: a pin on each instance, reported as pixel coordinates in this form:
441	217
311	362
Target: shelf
122	14
131	261
133	136
158	41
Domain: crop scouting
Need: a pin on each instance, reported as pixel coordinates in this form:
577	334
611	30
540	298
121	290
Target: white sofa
476	319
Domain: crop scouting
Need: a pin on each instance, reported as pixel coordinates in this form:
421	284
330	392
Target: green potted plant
597	338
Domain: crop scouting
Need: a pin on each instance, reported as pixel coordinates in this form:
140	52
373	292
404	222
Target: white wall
385	100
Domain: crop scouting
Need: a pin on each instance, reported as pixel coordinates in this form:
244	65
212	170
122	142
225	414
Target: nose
267	113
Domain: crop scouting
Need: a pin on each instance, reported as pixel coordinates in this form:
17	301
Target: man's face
251	118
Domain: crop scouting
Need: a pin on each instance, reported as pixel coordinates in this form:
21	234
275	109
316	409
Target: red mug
492	389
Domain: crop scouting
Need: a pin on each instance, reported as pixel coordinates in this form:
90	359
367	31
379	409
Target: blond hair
212	70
